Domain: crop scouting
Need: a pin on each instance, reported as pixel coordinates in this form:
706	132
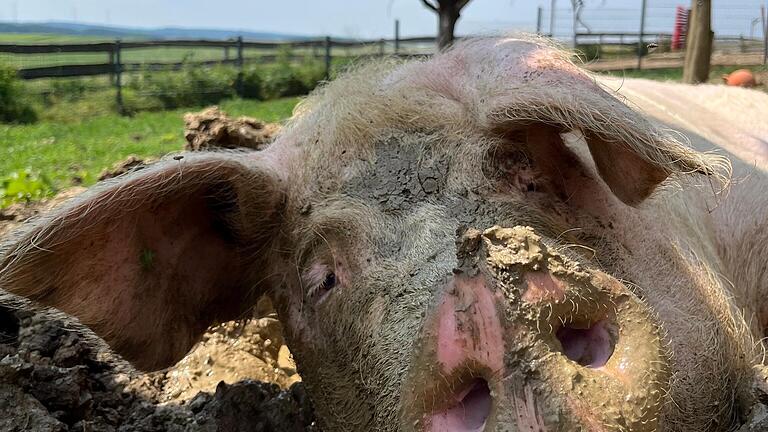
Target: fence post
381	48
575	24
765	34
118	68
640	37
240	63
112	63
328	43
552	19
539	14
397	37
599	45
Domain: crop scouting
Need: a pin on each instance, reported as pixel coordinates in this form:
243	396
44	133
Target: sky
371	18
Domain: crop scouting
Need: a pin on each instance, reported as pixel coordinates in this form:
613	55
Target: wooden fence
115	65
319	48
232	53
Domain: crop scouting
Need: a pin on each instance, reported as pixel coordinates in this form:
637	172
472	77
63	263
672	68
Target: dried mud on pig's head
446	241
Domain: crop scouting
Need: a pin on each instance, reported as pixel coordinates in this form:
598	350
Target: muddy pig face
445	241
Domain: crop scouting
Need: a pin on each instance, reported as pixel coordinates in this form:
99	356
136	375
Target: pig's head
452	245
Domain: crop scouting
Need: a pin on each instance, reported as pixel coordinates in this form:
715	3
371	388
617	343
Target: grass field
65	153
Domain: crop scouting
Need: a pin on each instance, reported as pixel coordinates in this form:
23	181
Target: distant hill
108	32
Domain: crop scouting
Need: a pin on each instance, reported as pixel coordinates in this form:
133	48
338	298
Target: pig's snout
468	326
470	349
470	344
522	338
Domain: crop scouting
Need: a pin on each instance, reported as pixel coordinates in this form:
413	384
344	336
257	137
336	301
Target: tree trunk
446	24
698	43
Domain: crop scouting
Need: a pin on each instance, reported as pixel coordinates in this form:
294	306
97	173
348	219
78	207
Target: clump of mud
213	129
207	130
129	164
231	352
54	376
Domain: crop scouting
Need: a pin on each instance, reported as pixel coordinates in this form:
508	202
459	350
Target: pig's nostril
477	405
469	414
590	347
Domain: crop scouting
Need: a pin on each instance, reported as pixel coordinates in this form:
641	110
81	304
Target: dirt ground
56	376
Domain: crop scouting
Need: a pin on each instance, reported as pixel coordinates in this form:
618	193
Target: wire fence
730	18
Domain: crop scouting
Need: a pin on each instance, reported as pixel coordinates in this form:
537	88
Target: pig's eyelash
320	277
328	283
313	287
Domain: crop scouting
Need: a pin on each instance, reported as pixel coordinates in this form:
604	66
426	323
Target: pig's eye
329	282
319	291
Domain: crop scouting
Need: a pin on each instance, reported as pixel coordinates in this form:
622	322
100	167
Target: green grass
63	152
70	99
667	74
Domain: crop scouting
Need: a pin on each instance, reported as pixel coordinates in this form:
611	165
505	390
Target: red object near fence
681	28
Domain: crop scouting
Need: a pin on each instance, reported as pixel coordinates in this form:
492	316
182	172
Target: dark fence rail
67	71
57	48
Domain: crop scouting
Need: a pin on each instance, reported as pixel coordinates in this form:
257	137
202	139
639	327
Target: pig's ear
525	83
632	155
149	261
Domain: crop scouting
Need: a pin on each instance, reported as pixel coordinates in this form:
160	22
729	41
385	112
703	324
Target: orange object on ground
741	78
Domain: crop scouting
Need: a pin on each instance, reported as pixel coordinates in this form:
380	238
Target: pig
491	239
